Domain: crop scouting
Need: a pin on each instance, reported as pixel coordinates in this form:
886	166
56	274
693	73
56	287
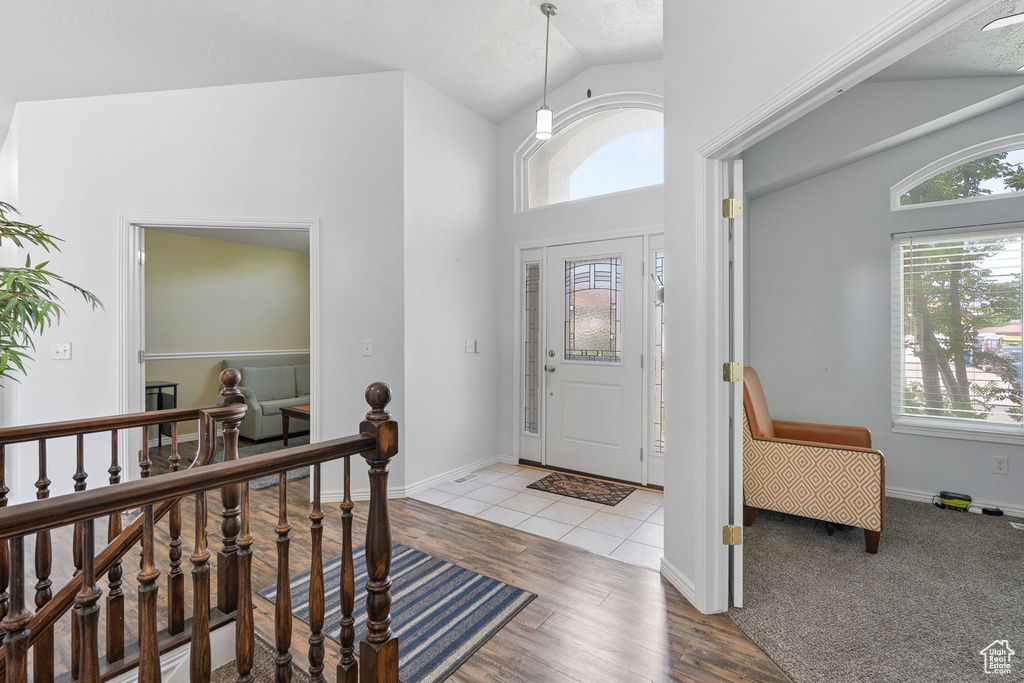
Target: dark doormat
582	488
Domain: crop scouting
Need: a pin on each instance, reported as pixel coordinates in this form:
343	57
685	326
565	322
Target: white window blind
957	308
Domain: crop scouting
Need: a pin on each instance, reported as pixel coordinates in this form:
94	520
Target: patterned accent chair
826	472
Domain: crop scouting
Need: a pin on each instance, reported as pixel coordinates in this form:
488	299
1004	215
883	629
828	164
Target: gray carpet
270	447
264	667
942	587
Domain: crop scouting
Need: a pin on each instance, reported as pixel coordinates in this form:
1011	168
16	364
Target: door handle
549	368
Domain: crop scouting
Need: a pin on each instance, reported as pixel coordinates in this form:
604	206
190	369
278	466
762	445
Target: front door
594	309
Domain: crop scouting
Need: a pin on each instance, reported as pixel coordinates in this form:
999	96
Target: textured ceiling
966	51
486	54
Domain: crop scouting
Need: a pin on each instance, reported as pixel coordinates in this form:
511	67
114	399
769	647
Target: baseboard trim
926	497
680	582
182	438
423	484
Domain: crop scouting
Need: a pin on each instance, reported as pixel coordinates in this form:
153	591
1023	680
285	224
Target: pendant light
544	119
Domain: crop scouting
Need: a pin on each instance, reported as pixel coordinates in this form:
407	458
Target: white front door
594	309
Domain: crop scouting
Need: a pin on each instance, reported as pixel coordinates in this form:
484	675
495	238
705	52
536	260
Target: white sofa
268	384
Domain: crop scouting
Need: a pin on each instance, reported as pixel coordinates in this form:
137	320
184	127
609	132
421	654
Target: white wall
720	67
643	208
322	148
450	247
820	306
9	255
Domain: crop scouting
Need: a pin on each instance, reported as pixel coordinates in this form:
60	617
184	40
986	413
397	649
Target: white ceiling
966	51
290	240
486	54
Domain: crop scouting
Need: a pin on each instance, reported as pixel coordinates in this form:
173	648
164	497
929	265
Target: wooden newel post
378	651
231	515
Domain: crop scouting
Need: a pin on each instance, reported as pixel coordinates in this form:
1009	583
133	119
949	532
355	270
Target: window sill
925	427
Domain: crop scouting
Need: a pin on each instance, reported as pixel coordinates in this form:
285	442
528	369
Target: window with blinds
958	301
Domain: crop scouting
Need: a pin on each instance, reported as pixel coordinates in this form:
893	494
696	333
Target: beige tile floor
631	531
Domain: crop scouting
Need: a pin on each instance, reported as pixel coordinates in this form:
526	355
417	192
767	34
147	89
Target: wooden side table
297	412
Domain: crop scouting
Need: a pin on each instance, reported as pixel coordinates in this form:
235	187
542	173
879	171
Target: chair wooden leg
871	540
750	514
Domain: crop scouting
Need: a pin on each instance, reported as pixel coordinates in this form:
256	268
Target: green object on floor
953	501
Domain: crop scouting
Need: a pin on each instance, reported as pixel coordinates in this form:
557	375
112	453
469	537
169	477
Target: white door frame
132	314
903	33
517	331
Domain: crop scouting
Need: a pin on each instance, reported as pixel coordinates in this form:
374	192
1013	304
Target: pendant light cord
547	43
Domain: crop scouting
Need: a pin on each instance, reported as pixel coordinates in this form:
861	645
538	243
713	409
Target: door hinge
142	257
732	535
732	372
641	361
732	208
142	356
643	265
641	454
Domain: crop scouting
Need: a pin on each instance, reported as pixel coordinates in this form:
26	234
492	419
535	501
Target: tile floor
631	531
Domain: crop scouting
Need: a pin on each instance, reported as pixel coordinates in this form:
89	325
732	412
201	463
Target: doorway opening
203	296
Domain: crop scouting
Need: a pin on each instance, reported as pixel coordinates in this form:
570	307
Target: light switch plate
367	347
471	346
61	351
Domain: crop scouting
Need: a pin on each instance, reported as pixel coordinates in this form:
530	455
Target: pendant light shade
544	117
544	123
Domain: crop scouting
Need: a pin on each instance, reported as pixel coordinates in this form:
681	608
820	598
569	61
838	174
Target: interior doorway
179	334
591	367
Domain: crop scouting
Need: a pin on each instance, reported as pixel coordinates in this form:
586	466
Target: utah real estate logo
997	657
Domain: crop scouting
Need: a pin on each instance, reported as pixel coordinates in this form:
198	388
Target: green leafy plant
28	300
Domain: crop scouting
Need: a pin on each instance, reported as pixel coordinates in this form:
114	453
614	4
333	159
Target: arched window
610	150
989	170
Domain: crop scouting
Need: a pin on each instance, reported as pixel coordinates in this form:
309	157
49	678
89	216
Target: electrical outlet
471	346
61	352
367	347
1000	464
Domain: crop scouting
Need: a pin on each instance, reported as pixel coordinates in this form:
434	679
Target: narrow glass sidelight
659	360
593	321
531	348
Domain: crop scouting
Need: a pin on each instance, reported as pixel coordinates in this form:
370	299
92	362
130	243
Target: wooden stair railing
50	608
377	442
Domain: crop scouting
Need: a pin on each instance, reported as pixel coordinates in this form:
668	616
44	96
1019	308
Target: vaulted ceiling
486	54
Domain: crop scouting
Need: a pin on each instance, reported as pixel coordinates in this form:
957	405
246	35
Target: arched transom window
605	152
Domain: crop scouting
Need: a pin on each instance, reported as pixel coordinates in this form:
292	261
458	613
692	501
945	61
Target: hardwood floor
595	619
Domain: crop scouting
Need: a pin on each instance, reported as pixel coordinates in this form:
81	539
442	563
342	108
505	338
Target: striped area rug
441	613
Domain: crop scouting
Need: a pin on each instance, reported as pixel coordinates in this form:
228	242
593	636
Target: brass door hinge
732	208
732	535
732	372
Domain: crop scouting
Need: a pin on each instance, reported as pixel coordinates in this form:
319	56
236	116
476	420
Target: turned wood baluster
175	578
227	557
283	603
348	670
149	591
115	595
245	633
378	651
4	557
87	653
16	622
42	660
79	476
145	464
316	584
199	667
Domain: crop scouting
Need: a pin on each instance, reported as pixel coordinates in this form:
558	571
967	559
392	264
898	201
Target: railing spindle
42	660
378	651
175	578
200	649
245	632
227	557
16	622
115	595
316	584
145	464
86	604
80	477
348	671
4	556
283	603
149	591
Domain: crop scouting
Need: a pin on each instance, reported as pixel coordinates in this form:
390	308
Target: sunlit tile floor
631	531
